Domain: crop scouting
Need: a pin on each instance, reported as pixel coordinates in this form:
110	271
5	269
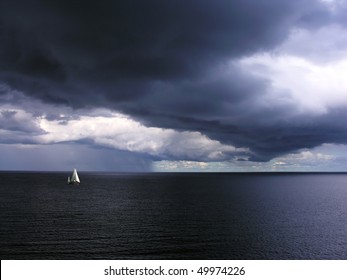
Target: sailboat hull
74	183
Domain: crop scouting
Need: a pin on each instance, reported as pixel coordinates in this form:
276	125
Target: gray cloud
170	64
107	46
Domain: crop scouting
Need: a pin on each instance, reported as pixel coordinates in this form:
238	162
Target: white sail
74	179
75	176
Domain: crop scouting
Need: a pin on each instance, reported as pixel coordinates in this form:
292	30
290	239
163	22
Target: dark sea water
173	216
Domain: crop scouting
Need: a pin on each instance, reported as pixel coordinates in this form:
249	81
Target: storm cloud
255	80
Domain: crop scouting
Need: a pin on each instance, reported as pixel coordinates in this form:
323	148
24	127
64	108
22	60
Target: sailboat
74	179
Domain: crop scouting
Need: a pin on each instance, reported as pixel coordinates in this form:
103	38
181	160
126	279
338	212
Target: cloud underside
177	82
107	129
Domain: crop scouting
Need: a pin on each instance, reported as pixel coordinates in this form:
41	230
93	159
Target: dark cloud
24	57
111	41
167	63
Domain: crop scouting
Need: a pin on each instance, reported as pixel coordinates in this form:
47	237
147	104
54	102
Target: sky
173	86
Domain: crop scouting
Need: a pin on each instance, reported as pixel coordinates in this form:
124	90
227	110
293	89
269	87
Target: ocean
173	216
